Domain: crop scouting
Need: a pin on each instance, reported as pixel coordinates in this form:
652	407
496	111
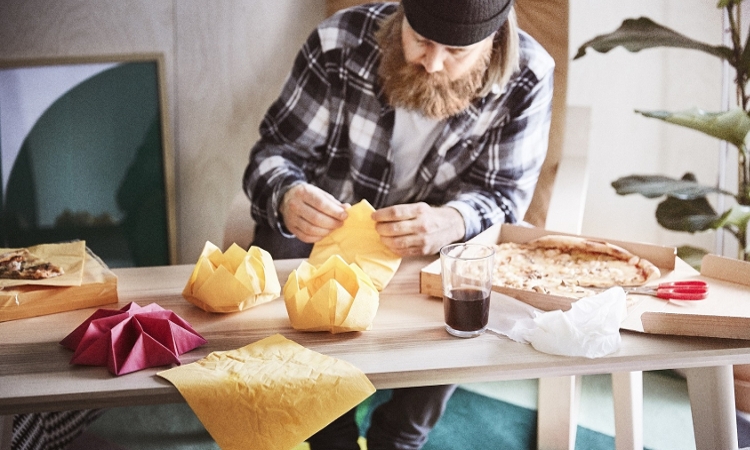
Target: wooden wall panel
233	58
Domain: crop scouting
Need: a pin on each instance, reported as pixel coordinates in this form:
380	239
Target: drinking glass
466	272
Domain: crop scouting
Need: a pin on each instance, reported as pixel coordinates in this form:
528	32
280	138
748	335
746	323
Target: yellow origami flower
232	281
336	297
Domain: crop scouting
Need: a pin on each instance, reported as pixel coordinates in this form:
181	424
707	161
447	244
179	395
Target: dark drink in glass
466	273
467	310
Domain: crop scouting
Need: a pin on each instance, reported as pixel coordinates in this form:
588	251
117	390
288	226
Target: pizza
23	265
568	266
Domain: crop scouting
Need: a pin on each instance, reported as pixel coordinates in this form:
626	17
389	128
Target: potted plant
686	207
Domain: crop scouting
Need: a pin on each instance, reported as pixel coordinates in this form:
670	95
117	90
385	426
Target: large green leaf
687	215
692	255
654	186
642	33
725	3
737	216
731	126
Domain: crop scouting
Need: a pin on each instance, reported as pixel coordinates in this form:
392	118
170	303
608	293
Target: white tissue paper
590	328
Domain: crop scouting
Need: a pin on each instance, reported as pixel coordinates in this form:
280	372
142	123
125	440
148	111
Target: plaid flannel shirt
332	126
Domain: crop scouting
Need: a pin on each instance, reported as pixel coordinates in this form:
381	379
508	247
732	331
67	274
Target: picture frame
86	152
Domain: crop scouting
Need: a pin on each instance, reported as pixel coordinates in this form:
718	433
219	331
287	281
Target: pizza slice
23	265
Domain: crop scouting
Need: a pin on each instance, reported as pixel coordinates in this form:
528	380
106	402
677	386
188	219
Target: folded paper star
271	394
357	241
336	297
232	281
131	338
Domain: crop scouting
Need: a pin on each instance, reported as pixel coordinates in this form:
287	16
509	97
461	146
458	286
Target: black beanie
456	22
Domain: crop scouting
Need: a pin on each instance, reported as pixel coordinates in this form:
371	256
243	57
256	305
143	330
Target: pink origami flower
131	338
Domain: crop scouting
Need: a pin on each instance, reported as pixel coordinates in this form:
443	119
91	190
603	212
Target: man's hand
417	228
311	213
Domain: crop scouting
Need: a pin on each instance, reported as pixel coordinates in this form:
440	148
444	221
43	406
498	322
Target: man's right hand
311	213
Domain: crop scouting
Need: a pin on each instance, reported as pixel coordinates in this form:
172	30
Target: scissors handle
685	284
683	290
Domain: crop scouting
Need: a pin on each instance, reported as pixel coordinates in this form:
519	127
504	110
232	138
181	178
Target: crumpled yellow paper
357	242
336	297
232	281
272	394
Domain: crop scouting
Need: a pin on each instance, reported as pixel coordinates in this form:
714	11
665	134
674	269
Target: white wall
625	143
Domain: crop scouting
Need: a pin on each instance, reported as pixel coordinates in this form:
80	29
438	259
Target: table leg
557	412
627	391
6	432
711	393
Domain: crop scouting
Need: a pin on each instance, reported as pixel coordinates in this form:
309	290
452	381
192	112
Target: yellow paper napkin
232	281
69	256
336	297
357	242
270	395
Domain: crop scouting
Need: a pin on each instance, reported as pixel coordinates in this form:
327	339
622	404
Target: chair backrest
547	22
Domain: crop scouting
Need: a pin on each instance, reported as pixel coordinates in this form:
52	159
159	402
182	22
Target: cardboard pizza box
98	287
725	313
430	283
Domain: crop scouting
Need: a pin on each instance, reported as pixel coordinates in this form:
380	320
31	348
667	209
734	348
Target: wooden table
407	346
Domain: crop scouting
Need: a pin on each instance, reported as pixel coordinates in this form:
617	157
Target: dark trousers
401	423
278	246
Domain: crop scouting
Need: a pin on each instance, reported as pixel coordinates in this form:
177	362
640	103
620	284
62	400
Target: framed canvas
86	153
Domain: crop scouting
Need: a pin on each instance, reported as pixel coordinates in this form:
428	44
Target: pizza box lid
725	313
430	283
98	287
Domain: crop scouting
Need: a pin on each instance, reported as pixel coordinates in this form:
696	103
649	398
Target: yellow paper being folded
357	241
232	281
336	297
272	394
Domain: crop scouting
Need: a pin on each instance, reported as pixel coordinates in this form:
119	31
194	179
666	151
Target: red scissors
674	290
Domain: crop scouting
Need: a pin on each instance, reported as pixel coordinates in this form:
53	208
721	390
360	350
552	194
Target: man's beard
411	87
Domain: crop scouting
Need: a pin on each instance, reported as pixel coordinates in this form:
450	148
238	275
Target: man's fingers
396	213
311	213
401	220
323	202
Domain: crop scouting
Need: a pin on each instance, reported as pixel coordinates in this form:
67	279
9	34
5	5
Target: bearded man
437	112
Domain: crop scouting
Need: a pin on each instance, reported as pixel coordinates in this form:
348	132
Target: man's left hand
418	228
